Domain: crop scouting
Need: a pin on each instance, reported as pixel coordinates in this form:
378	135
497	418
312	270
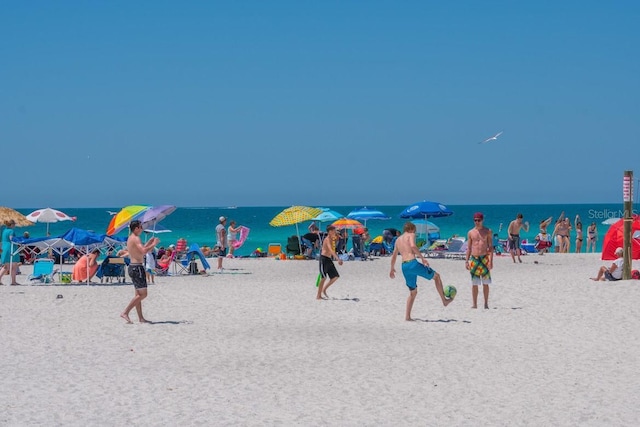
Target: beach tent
614	239
83	240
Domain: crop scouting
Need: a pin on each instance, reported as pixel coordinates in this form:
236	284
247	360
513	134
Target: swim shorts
138	276
327	267
412	269
479	269
514	242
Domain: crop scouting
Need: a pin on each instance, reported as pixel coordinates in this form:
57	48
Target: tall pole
627	195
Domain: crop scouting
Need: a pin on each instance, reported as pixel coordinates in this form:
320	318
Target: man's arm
392	273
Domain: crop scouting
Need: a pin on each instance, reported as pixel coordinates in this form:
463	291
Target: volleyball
450	292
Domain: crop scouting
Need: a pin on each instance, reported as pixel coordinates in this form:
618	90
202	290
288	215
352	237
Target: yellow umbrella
295	215
7	214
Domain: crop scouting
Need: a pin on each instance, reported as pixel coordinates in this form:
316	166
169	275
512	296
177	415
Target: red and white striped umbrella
49	215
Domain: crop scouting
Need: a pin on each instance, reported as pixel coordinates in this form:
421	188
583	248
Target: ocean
197	224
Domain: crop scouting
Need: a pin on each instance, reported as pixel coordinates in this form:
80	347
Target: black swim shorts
138	276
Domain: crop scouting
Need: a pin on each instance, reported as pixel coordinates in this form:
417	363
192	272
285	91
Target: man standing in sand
514	236
221	241
327	267
405	245
479	259
137	252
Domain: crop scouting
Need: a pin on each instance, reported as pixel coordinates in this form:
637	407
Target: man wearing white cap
221	241
615	271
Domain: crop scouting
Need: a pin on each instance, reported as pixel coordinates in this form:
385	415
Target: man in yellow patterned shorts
479	258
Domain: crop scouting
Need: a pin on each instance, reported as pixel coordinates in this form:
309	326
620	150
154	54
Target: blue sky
269	103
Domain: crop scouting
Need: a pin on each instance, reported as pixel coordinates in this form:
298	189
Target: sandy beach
254	347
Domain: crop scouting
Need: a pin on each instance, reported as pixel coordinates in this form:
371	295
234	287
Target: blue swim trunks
412	269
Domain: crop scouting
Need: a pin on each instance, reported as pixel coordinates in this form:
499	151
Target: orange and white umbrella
347	223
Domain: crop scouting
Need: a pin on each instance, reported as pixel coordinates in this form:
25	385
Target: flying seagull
112	213
493	138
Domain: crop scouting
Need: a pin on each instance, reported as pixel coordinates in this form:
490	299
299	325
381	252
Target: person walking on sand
327	267
137	252
514	236
405	245
221	241
479	258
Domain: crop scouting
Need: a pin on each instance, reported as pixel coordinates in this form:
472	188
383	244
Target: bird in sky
493	138
112	213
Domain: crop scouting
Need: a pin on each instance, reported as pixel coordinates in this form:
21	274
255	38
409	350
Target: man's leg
474	294
320	288
132	303
485	292
438	282
142	293
410	300
331	282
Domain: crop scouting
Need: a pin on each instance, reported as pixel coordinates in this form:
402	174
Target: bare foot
409	319
15	284
325	295
143	320
474	306
126	317
446	302
486	306
594	279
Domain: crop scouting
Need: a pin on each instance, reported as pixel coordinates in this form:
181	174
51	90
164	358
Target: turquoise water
197	224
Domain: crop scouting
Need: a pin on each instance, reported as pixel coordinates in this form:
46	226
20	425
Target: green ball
450	292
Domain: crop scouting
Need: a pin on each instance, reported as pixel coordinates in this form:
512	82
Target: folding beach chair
112	268
275	249
43	271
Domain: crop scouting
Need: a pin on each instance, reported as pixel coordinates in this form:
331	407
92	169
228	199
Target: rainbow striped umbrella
122	219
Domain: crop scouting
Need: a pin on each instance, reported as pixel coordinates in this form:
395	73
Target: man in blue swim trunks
405	245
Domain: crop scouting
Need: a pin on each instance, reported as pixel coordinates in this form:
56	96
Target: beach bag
193	267
635	274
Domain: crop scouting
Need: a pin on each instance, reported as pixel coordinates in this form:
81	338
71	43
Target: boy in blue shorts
406	246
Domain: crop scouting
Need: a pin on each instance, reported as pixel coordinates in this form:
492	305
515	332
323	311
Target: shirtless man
137	251
479	260
327	268
514	236
405	245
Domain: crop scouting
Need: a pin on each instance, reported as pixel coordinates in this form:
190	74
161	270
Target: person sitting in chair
614	272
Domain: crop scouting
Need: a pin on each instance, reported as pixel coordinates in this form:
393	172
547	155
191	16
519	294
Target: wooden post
627	195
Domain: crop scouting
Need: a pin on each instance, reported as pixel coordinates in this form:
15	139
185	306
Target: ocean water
197	224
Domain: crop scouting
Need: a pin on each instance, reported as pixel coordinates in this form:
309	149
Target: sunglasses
477	220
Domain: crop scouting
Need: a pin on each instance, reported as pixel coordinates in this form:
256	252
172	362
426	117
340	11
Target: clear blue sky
261	103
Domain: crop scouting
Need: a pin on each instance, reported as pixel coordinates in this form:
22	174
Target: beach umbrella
365	214
327	215
347	223
122	219
425	227
48	216
155	214
425	209
613	239
8	214
293	216
157	229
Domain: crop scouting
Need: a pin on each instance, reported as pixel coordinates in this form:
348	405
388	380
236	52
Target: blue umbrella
327	215
365	214
426	209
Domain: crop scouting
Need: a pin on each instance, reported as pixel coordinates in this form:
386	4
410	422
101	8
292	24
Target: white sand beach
256	348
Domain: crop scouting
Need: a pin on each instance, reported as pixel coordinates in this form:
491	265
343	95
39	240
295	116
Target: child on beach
479	258
405	245
327	267
150	265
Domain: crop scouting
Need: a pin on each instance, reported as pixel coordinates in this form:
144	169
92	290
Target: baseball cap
478	215
222	219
